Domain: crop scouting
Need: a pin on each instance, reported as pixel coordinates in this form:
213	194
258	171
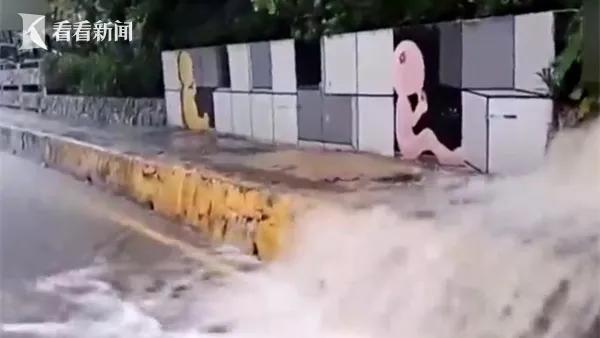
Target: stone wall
107	110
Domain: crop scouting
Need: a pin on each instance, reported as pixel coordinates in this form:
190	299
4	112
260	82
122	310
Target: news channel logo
33	32
27	17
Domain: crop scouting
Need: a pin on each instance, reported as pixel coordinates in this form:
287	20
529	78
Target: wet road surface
53	225
523	260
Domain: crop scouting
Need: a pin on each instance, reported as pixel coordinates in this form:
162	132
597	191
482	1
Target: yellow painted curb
252	218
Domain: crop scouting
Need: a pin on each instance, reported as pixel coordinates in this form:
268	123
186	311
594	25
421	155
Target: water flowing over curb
249	217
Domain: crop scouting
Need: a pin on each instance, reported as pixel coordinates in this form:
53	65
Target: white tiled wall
375	55
376	125
283	66
285	118
170	73
239	66
241	113
262	116
534	49
174	113
518	145
474	129
503	134
223	113
340	64
360	65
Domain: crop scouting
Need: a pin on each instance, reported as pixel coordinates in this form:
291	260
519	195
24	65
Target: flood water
513	258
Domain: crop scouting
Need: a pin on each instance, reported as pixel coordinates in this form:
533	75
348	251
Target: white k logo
34	31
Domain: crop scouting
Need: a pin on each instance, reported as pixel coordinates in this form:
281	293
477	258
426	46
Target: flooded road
512	258
69	269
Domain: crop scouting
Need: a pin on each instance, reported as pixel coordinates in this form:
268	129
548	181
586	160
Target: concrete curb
244	214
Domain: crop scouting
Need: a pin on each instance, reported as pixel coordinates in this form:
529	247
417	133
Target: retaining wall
106	110
21	87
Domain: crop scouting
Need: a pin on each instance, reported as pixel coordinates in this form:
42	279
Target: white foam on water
522	262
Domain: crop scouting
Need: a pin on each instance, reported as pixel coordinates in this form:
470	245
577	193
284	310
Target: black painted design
204	102
308	63
223	60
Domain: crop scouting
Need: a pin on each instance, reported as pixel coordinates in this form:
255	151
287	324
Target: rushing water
518	257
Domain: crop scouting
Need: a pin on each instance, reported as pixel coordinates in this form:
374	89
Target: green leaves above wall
311	18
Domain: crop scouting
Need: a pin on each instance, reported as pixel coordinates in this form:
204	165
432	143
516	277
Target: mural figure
409	80
192	119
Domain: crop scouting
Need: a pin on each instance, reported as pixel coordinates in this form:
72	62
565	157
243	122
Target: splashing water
522	261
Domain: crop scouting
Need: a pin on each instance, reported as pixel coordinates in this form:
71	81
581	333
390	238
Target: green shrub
62	73
141	76
559	79
564	81
100	76
104	73
311	18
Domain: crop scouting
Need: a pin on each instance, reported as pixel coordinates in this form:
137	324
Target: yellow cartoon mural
192	118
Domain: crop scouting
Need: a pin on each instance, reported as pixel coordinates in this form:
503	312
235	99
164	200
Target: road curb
244	214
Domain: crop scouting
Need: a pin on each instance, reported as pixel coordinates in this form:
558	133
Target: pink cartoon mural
412	104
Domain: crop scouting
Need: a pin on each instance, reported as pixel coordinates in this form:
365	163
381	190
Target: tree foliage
574	103
173	24
311	18
158	25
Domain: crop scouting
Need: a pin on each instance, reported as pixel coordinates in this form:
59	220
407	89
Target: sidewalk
238	191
